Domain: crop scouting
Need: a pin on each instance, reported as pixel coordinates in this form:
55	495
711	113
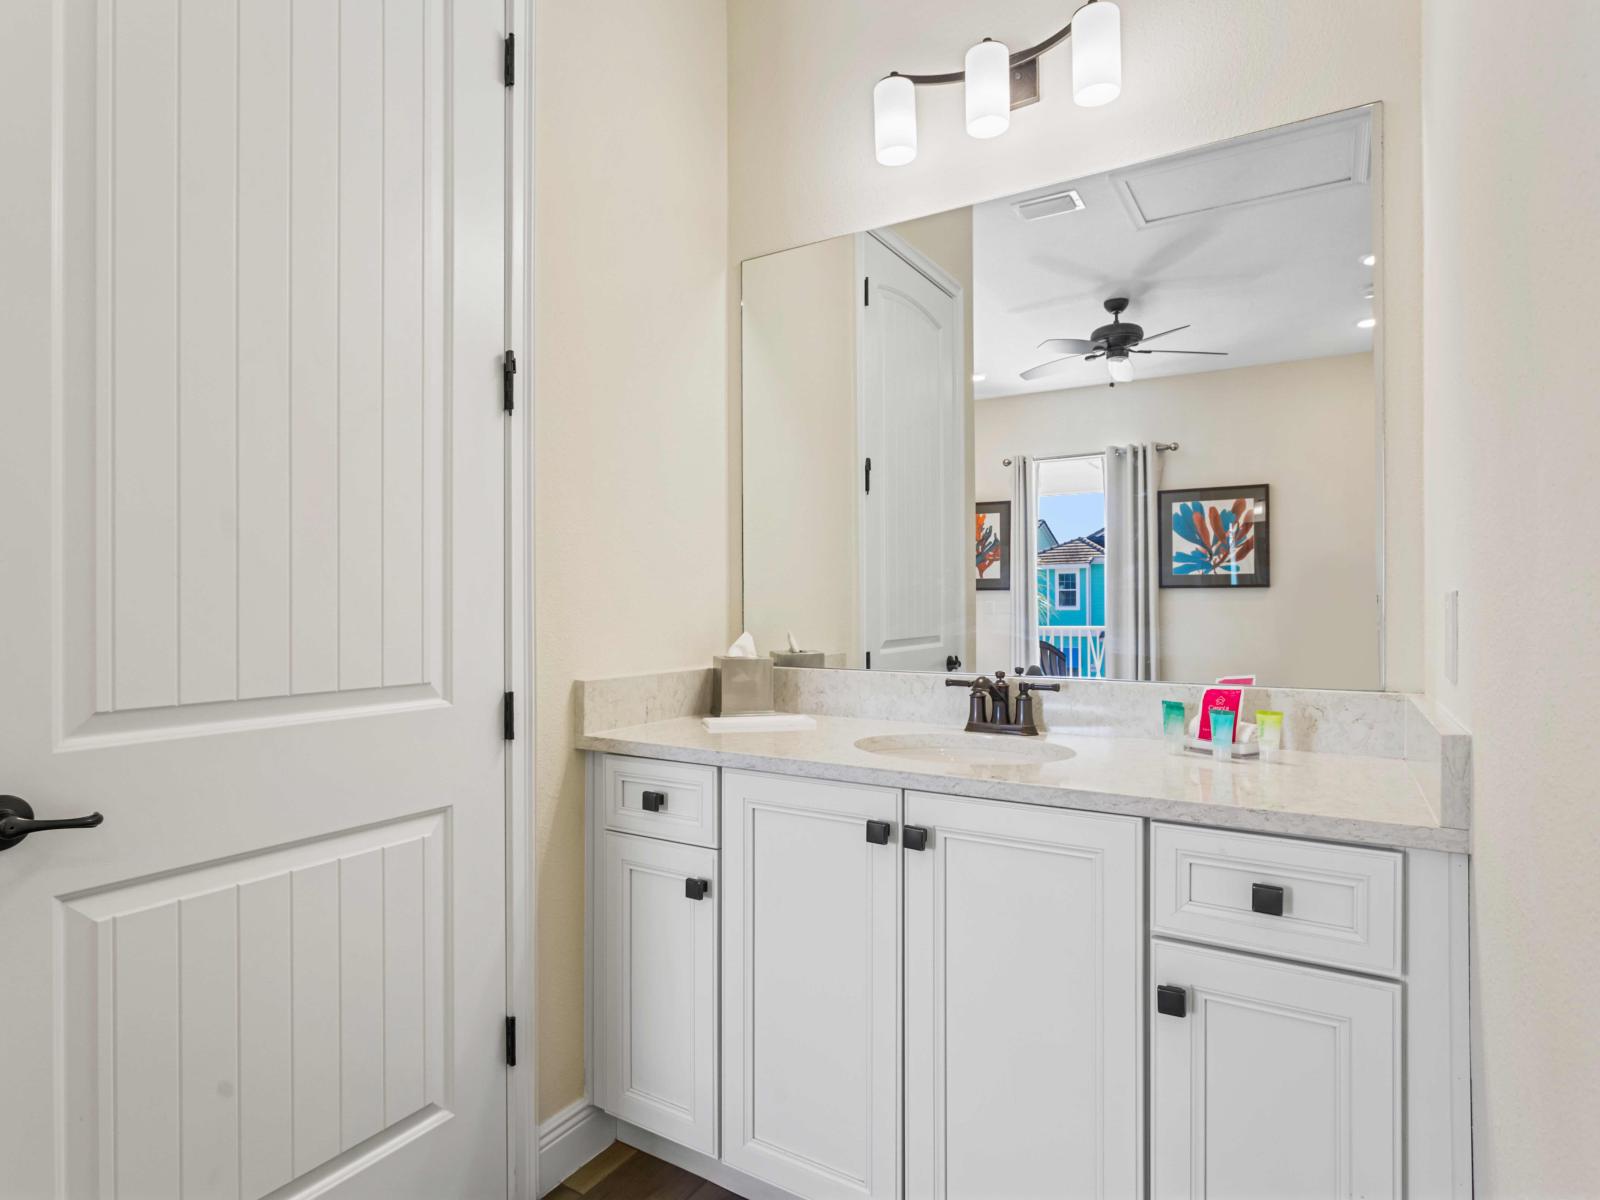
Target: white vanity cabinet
827	990
1023	992
811	985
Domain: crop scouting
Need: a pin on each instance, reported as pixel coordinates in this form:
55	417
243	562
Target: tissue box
741	685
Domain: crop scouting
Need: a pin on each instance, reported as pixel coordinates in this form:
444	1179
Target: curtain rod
1160	446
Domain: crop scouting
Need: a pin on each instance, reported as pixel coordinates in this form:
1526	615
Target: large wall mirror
1127	426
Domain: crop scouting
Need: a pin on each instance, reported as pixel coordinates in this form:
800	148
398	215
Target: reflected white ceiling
1256	244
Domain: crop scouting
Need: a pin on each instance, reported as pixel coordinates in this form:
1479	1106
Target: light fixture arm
1018	58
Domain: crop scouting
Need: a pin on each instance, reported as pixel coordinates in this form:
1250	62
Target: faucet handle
1040	687
966	683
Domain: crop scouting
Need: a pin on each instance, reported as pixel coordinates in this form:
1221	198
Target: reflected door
916	536
255	510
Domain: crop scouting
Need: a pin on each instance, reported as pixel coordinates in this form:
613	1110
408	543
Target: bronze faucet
989	705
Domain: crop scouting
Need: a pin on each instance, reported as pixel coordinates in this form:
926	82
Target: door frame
947	283
522	1115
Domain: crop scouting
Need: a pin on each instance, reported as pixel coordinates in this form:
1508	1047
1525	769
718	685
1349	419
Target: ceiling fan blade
1218	353
1163	333
1095	355
1066	345
1054	367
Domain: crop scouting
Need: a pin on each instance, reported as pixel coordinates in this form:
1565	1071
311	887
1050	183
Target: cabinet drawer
675	801
1340	904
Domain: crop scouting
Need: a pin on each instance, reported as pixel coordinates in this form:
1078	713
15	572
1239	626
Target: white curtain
1024	542
1133	477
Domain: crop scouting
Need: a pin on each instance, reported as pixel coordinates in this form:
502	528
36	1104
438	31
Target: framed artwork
1215	537
993	559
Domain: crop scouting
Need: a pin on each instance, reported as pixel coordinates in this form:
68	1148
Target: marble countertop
1339	797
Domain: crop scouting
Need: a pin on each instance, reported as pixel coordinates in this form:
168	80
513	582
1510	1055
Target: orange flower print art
992	540
1215	537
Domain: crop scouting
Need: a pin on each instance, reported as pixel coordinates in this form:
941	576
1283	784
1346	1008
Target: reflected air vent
1052	205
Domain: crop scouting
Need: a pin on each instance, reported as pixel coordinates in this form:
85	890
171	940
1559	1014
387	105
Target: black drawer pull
696	889
654	801
1266	899
1172	1000
915	837
878	832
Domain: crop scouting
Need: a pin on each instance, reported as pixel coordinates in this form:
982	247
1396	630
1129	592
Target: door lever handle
17	821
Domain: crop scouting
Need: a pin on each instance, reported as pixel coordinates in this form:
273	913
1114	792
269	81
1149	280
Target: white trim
1438	1066
570	1139
718	1172
522	1150
919	262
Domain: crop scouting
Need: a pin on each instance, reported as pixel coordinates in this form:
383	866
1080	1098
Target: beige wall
630	397
1306	429
1512	169
802	169
799	386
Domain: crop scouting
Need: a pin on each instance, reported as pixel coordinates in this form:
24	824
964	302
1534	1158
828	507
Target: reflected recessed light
1366	323
979	378
1368	294
1369	260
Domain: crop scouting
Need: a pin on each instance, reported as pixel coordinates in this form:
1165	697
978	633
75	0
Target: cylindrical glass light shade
1096	54
894	120
1120	369
988	89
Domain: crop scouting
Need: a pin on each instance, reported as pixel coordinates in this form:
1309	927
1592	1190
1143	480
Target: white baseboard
571	1138
693	1161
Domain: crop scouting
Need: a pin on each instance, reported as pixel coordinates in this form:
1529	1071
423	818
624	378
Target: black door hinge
869	660
866	290
508	376
511	59
869	477
511	1041
511	716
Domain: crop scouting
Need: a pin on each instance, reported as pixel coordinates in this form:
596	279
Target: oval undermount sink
966	749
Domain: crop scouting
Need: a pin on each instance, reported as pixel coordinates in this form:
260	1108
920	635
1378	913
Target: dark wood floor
623	1173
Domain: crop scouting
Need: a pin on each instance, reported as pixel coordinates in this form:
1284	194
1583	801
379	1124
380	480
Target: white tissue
743	647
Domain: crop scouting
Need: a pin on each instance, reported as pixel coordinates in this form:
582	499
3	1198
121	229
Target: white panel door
254	496
916	536
1024	947
811	985
1279	1081
657	977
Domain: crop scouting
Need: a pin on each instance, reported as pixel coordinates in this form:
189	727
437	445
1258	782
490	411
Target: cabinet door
657	976
1278	1081
811	985
1024	947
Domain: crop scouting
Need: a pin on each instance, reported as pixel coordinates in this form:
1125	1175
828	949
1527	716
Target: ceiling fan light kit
1116	343
997	81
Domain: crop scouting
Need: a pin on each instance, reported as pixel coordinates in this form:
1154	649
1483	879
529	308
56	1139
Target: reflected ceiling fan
1116	343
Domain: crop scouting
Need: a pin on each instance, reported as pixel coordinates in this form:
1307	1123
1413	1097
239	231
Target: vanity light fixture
1366	322
997	81
1369	260
979	378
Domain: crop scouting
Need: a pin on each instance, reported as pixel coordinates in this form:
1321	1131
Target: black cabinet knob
1172	1000
1266	899
696	889
915	837
878	832
654	801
